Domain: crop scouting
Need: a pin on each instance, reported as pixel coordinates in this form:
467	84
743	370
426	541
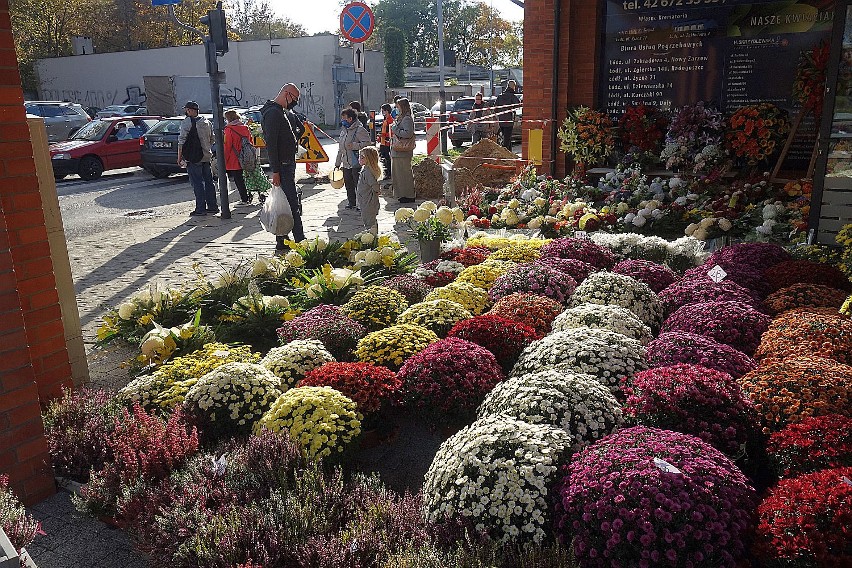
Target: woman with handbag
353	137
402	150
235	131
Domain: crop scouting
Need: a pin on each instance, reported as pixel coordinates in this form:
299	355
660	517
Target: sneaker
198	213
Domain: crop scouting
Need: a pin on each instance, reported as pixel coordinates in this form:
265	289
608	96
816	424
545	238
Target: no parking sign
357	22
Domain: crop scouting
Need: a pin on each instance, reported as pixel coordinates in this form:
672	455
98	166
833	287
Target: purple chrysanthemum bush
538	279
647	497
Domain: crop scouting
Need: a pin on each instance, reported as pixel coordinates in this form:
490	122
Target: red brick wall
576	62
33	358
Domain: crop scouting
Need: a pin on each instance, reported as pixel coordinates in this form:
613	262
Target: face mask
345	123
292	105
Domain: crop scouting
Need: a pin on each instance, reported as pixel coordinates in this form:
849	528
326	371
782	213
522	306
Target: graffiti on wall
311	106
130	95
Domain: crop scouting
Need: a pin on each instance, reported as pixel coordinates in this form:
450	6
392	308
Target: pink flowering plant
656	276
745	275
646	497
757	255
579	249
694	400
732	323
694	291
680	347
450	376
535	278
414	289
576	269
326	323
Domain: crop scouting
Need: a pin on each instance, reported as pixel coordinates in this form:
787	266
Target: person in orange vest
385	142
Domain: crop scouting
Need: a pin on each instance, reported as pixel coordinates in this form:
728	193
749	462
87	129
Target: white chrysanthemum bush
599	316
608	288
291	362
607	355
231	398
498	472
321	419
576	402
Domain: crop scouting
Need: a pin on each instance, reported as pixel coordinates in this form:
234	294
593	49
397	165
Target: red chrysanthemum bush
370	386
505	338
807	331
451	376
621	504
817	442
805	272
536	311
694	400
467	255
732	323
580	249
695	291
679	347
792	389
807	521
657	276
804	296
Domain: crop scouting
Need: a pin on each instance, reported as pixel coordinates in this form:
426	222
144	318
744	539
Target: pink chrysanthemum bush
694	400
579	249
694	291
337	331
758	255
732	323
414	289
817	442
680	347
450	376
505	338
534	278
806	521
576	269
647	497
746	276
657	276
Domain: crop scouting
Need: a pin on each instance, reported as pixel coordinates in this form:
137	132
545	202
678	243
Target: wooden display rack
786	149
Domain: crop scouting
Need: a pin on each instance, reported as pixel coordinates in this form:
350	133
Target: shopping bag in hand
276	215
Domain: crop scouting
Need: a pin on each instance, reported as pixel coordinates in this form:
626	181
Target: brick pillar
577	62
34	361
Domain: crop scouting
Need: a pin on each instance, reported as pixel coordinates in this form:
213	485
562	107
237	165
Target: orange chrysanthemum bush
821	332
536	311
792	389
804	295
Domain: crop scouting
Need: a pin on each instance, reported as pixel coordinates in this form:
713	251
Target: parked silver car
61	119
121	110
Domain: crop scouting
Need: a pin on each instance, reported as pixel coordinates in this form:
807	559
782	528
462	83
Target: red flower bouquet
694	400
642	128
817	442
755	131
821	332
505	338
732	323
804	296
451	376
677	347
370	386
536	311
807	520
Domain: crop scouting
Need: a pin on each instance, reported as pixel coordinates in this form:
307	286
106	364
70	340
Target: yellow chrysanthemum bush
474	299
375	307
321	419
166	387
520	253
291	362
482	275
229	400
390	347
437	315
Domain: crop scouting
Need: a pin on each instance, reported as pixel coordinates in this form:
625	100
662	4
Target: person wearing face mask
281	144
353	137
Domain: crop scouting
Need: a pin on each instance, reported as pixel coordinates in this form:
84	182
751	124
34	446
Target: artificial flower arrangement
231	398
817	442
254	317
450	377
754	131
322	420
474	299
159	344
370	386
329	285
601	316
790	390
536	311
477	475
439	272
694	138
436	315
683	348
809	85
587	135
292	361
429	222
326	323
608	288
375	307
381	255
505	338
536	278
391	346
166	387
695	400
574	402
604	501
607	355
642	129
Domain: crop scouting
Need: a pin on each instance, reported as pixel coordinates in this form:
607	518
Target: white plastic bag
276	215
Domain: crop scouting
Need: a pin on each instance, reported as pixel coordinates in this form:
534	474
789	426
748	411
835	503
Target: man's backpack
247	155
192	151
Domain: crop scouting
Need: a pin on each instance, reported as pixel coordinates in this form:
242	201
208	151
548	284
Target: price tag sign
846	480
717	274
581	235
665	466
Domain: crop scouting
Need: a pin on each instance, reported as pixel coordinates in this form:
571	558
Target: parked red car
101	145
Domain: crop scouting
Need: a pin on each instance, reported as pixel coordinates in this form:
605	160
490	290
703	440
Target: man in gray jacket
194	151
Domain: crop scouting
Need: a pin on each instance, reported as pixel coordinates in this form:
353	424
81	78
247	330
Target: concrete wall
254	70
